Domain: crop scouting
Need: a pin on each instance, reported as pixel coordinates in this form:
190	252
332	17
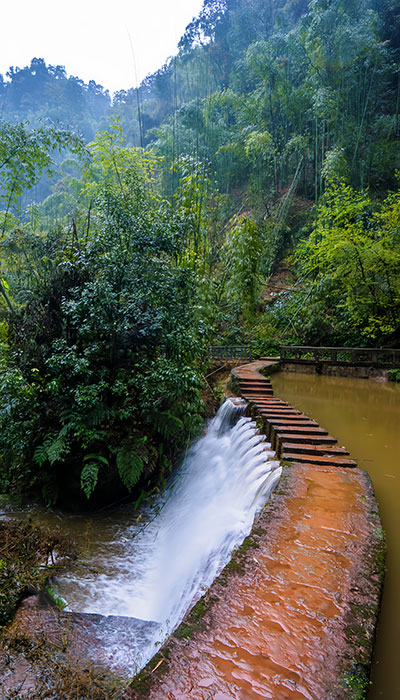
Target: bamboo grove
245	192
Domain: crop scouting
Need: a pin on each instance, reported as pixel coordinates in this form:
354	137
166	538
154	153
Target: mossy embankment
28	556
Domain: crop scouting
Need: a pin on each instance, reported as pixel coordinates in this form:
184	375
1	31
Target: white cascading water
159	570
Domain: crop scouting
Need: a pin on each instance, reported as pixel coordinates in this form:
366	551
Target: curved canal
364	415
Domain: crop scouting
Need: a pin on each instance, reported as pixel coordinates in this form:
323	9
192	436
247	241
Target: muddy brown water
364	415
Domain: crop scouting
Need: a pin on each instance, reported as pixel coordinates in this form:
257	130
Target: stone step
272	416
311	428
267	390
255	382
273	403
303	426
281	411
248	395
314	449
260	389
310	438
331	460
275	416
276	410
267	406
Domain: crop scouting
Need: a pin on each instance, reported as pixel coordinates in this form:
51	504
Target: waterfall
157	571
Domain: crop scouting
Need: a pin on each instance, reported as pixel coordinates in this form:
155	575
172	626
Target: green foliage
275	122
311	83
89	478
105	340
350	265
242	256
40	92
265	337
254	87
394	375
52	450
25	154
168	425
59	602
130	467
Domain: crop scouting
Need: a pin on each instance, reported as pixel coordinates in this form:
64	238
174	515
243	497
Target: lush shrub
394	375
99	387
349	271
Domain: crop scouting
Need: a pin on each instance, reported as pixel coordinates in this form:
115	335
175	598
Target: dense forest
247	192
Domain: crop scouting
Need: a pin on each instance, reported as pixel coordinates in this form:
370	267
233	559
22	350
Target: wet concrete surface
365	416
112	641
301	615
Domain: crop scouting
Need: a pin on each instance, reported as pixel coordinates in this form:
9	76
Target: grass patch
237	562
357	683
193	620
141	684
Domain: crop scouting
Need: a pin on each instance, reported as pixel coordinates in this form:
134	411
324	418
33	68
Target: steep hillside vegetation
245	192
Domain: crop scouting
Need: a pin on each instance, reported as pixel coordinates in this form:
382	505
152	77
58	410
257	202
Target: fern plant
130	466
90	472
168	425
53	449
89	477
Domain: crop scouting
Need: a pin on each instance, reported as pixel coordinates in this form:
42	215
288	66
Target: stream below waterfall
154	566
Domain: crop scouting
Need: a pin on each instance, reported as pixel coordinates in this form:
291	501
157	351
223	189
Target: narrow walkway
294	616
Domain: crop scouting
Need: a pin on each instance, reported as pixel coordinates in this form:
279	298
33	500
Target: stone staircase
295	437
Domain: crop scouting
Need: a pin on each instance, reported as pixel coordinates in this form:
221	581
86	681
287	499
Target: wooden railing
386	357
231	352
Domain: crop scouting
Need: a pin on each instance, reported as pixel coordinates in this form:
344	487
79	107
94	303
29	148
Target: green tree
353	260
25	154
242	256
100	384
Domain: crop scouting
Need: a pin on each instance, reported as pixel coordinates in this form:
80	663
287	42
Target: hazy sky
91	37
